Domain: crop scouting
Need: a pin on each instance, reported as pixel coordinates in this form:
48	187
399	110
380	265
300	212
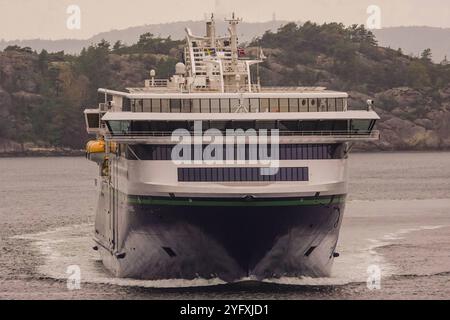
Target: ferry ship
244	218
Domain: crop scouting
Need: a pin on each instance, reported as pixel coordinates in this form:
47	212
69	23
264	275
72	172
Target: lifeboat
96	151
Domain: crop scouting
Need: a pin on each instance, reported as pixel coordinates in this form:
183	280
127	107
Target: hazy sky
25	19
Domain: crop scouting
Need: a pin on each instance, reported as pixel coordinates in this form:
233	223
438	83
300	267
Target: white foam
66	246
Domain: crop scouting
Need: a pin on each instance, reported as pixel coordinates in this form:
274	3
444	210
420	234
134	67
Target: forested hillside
412	94
42	95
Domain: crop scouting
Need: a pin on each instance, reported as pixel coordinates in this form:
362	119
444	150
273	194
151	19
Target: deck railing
156	83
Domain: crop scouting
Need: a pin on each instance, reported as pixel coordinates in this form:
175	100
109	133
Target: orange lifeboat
96	150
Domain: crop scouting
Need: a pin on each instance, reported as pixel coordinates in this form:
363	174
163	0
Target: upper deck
214	85
216	77
266	100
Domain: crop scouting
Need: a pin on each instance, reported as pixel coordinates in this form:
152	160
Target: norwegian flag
241	52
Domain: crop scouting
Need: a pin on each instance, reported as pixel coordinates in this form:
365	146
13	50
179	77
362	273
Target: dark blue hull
226	239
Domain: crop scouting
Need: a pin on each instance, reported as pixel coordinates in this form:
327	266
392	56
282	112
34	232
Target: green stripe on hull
322	201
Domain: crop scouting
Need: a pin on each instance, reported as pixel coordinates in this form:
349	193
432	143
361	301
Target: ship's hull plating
171	238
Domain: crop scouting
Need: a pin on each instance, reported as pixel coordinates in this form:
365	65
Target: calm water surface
397	219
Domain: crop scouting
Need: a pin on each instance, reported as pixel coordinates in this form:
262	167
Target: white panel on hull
160	178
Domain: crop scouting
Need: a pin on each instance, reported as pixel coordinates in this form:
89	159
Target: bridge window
323	105
293	105
222	125
195	106
312	105
186	106
215	106
165	108
246	104
160	126
264	107
304	105
286	127
341	126
126	105
93	120
234	105
331	105
308	125
266	125
325	125
119	127
361	126
175	105
147	105
136	105
284	105
175	125
274	106
204	106
339	104
225	105
254	105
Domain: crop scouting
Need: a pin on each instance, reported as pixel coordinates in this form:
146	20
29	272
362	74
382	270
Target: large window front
119	127
285	127
93	120
359	126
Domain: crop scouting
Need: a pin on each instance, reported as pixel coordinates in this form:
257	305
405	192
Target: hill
412	95
175	30
412	39
42	95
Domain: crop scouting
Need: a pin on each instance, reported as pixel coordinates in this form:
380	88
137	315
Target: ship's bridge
311	127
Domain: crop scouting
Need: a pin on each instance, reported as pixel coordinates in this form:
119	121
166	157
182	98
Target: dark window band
240	174
286	152
285	127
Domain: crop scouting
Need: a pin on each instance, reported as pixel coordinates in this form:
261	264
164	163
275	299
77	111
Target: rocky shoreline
10	149
38	154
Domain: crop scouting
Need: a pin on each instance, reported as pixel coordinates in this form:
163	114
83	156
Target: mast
211	31
214	62
234	41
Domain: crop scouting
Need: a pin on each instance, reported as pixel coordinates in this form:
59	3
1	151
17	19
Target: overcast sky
47	19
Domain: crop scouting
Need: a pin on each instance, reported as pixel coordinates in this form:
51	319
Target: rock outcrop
405	123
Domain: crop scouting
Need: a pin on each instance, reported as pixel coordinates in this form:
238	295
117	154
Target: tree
146	42
418	76
93	62
18	49
104	44
43	60
118	45
426	55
